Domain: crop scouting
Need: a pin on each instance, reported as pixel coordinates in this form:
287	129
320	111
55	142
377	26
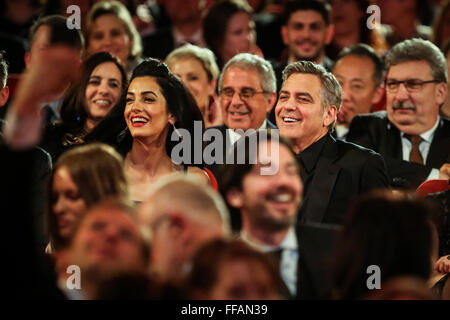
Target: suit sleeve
374	174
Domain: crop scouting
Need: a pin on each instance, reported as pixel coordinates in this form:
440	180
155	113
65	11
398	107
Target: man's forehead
306	16
410	69
352	65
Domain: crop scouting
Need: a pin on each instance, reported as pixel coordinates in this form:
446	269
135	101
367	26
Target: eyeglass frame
406	85
240	93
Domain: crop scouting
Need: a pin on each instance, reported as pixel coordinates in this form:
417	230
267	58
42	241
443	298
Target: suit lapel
325	175
394	142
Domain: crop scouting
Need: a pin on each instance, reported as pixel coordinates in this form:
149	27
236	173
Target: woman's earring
177	131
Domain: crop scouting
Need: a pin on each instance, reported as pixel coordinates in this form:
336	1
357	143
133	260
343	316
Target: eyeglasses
412	85
244	94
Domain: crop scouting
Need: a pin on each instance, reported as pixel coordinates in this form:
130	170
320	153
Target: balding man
182	214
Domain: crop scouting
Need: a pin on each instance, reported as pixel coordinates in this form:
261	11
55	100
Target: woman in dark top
159	109
96	96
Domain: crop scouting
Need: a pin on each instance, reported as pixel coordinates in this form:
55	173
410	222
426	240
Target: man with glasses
247	92
410	135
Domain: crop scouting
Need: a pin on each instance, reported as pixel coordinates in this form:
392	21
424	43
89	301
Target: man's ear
27	59
284	35
441	93
378	95
235	198
4	95
329	115
329	34
271	99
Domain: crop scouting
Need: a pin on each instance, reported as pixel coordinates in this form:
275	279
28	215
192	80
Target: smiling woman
93	98
158	106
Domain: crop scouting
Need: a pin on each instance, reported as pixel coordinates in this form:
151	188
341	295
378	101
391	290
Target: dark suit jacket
343	172
226	147
376	132
317	244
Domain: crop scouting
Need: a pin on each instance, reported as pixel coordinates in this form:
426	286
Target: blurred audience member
411	136
350	18
107	242
441	25
82	177
17	16
360	73
96	96
402	288
229	29
159	113
267	203
402	20
247	93
335	172
182	214
394	233
45	31
110	28
306	31
198	70
41	164
186	18
232	270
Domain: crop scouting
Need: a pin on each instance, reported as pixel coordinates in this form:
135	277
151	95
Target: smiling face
146	112
306	35
346	16
103	90
355	75
248	113
414	112
67	203
195	78
239	36
269	201
299	112
109	34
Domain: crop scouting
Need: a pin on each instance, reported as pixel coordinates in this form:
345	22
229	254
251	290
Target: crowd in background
353	113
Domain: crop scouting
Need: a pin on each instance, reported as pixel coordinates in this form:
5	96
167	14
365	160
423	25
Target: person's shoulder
355	151
372	117
199	173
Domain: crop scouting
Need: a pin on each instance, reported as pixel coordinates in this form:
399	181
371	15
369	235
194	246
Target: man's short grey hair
248	61
203	55
419	50
3	70
331	89
195	195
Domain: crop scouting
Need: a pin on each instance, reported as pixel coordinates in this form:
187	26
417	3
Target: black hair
363	50
321	7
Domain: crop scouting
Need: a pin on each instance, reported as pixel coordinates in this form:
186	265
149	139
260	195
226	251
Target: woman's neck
90	124
148	158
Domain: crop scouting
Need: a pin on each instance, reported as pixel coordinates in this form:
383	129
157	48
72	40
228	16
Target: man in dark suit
186	19
247	92
410	135
267	205
334	172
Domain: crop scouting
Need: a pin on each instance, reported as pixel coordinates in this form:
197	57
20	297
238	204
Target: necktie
415	155
276	255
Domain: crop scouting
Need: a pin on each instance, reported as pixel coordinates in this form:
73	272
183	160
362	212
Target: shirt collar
234	136
310	155
428	135
289	242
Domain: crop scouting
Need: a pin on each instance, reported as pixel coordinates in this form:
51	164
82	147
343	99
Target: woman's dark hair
394	232
211	257
216	22
73	108
180	103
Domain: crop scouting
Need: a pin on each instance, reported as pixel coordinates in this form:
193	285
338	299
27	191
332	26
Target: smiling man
247	92
335	172
410	135
360	73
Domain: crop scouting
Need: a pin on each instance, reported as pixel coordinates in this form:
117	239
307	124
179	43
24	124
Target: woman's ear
172	119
